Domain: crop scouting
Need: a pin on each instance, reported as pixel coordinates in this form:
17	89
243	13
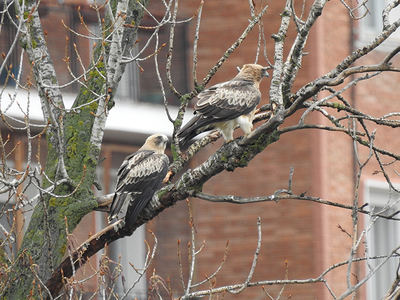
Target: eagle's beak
264	72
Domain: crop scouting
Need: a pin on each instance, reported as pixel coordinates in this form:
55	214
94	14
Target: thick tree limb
82	139
33	41
275	92
293	62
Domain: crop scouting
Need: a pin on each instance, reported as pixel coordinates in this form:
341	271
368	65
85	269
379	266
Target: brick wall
288	226
60	40
304	235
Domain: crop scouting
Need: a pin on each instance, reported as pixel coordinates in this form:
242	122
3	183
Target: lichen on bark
45	240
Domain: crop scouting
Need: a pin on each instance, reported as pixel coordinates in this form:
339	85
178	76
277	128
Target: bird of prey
139	176
226	105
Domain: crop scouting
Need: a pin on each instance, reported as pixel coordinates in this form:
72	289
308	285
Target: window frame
372	189
366	32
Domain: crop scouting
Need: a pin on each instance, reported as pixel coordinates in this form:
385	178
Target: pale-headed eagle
139	176
226	105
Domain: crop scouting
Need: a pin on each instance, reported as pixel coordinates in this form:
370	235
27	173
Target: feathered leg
246	122
226	129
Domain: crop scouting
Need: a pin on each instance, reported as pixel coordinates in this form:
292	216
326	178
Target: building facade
300	239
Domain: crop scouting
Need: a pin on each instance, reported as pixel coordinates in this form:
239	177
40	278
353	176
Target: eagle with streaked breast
139	176
226	105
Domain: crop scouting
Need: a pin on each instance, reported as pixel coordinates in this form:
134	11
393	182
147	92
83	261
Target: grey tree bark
73	139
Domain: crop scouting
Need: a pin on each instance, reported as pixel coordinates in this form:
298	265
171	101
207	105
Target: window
371	25
13	223
382	238
141	83
6	40
373	20
129	87
130	251
149	85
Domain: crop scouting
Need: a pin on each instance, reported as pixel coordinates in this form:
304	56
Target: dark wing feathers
132	159
139	176
221	102
228	100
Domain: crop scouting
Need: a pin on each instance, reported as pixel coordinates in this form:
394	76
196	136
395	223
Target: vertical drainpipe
318	157
353	103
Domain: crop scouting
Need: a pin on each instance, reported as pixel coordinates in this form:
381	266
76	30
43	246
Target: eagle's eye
159	139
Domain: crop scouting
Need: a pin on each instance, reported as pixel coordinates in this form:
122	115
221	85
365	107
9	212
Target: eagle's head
156	142
253	72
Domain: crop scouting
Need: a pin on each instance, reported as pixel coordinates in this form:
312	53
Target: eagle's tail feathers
119	206
193	128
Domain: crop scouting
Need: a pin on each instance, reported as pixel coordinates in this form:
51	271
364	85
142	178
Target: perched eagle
139	176
226	105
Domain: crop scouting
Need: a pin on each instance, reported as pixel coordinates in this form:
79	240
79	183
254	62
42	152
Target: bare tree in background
74	137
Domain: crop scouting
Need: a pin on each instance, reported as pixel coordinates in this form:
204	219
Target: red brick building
301	239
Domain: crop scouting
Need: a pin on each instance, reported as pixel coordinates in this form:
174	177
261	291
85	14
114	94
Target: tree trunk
73	144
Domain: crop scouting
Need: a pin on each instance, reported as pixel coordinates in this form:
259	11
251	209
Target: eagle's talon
168	177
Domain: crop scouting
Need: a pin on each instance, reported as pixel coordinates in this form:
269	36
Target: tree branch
293	62
275	92
228	157
338	74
